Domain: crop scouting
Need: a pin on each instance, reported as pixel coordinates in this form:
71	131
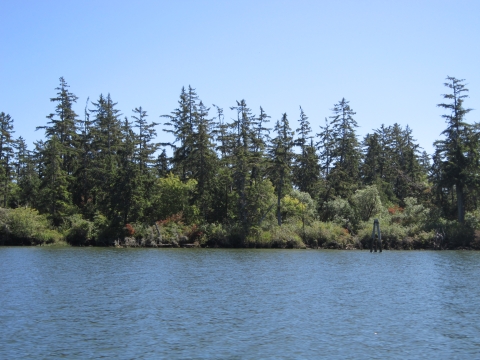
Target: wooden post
373	243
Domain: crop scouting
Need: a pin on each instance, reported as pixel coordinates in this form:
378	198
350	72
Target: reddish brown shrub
393	210
175	218
194	234
130	230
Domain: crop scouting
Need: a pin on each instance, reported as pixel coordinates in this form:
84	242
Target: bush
366	203
327	235
145	235
284	237
78	231
216	235
340	212
453	234
25	226
105	232
393	235
173	198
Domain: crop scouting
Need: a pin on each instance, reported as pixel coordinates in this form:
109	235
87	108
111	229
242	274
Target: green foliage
327	235
276	237
233	183
173	197
77	230
105	231
298	205
366	203
414	214
457	155
25	226
260	202
341	212
393	234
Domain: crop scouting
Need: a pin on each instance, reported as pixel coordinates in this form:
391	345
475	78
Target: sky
388	58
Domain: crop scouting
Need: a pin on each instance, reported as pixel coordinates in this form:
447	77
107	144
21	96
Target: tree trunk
460	204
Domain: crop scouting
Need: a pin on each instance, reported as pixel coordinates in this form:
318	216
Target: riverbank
26	227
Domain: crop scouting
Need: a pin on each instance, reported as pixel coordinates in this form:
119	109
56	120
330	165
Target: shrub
285	237
414	214
216	235
393	234
78	231
327	235
145	235
366	203
105	232
340	211
173	198
25	226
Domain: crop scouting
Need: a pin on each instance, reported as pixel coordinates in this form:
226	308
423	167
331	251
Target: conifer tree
128	197
281	156
259	143
55	197
344	177
222	191
64	124
84	176
106	132
242	158
146	135
161	164
324	145
457	154
306	169
27	176
180	124
203	159
6	154
371	159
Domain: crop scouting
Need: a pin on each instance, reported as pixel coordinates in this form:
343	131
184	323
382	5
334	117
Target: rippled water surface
238	304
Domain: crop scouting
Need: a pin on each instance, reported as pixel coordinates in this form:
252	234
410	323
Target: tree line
240	172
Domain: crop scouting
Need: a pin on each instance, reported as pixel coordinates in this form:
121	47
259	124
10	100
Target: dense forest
101	178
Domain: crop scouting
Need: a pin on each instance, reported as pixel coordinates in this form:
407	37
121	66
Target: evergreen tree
407	169
63	123
324	146
242	158
27	176
55	197
203	159
161	164
392	163
106	132
372	159
6	154
306	169
344	177
127	200
457	154
146	135
222	190
181	127
83	192
259	143
281	156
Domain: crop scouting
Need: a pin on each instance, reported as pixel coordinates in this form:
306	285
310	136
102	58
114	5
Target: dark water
238	304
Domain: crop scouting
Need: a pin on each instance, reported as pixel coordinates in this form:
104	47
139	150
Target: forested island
103	179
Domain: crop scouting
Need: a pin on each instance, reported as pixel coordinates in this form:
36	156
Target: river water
79	303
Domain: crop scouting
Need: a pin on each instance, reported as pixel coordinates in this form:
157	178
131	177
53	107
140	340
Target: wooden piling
373	243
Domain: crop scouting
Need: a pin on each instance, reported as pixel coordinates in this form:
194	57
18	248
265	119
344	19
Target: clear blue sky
388	58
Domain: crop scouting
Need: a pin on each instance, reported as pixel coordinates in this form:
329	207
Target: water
79	303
